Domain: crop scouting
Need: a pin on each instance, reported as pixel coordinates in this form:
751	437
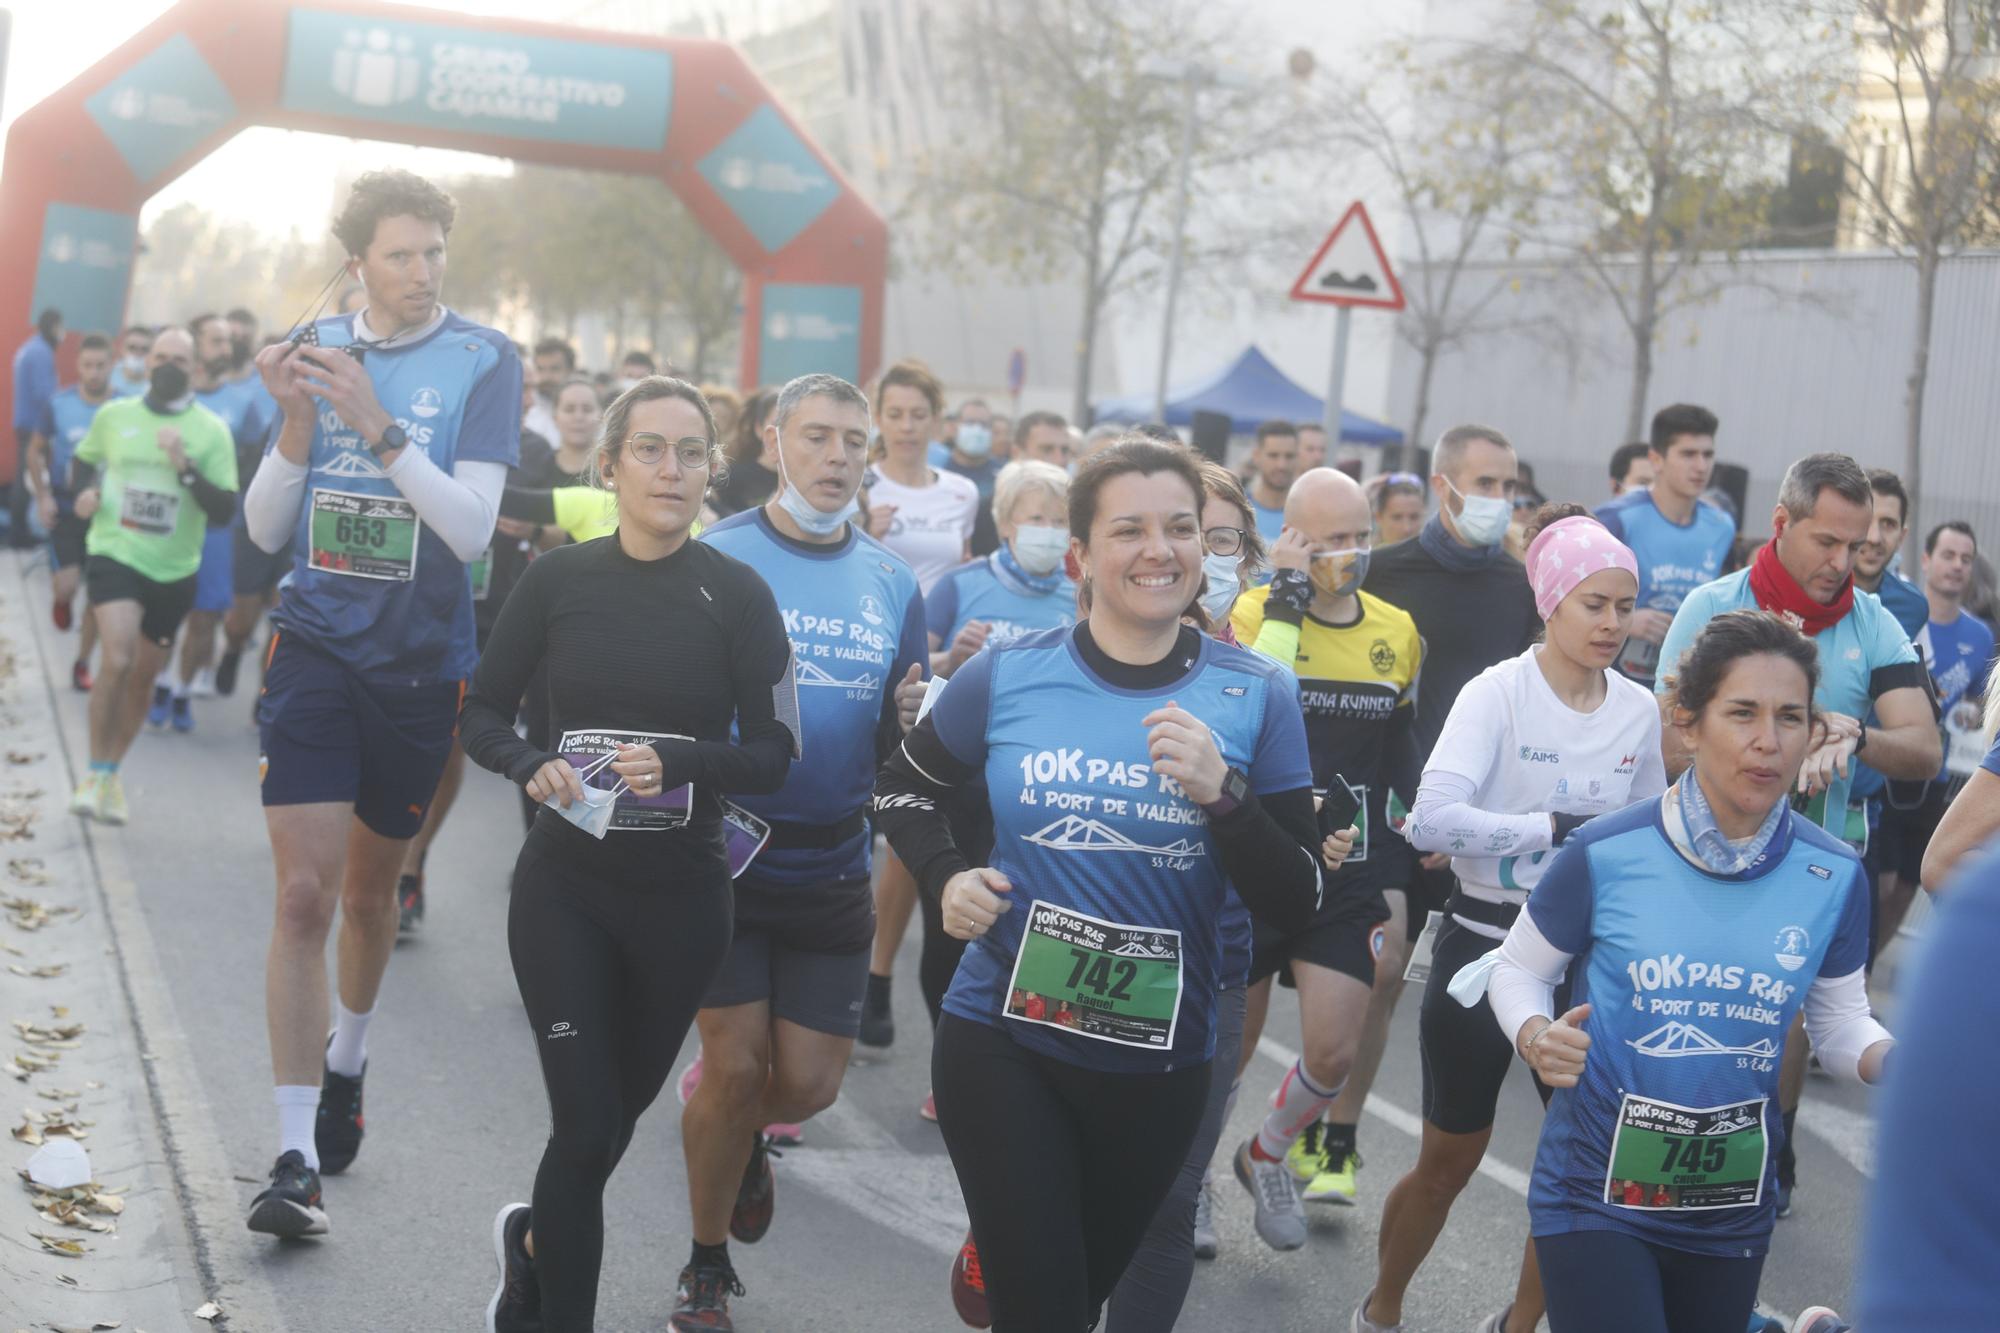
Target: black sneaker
291	1206
702	1303
757	1196
516	1306
338	1130
409	903
878	1027
225	671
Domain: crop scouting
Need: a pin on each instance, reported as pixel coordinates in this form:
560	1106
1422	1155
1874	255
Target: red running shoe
757	1196
60	613
79	677
968	1287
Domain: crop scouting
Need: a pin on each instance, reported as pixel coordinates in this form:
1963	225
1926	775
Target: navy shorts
805	950
212	587
329	736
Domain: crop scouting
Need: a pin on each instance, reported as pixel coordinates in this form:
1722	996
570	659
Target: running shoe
702	1303
111	807
516	1306
968	1287
785	1136
928	1110
1361	1323
79	677
1496	1323
183	714
878	1026
757	1196
163	706
690	1080
1335	1184
83	801
409	904
1206	1244
337	1131
1783	1194
226	668
1307	1156
62	614
291	1206
203	684
1280	1220
1820	1319
1763	1323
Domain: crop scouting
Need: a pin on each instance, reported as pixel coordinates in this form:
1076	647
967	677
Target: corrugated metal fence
1795	351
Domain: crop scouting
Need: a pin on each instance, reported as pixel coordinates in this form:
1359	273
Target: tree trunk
1913	402
1414	441
1086	341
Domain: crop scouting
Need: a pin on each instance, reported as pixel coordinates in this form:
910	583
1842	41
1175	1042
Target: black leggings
611	973
939	963
1606	1279
1062	1168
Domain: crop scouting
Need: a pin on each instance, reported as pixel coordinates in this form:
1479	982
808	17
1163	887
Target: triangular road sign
1350	268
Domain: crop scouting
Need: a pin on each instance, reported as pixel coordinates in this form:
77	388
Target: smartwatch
392	438
1861	741
1235	791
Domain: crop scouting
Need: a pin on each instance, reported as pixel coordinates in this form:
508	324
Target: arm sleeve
1270	851
514	650
1444	815
941	608
490	431
271	506
1525	975
945	750
528	504
913	649
1839	1022
767	708
1562	898
459	508
218	505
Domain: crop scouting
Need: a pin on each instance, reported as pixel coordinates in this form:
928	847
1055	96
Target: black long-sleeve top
685	645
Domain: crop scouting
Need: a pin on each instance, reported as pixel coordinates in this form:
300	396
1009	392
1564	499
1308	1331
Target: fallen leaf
69	1249
66	1279
20	757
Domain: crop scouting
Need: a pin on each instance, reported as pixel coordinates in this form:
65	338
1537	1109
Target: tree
1073	126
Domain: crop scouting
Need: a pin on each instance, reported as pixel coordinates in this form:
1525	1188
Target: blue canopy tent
1249	392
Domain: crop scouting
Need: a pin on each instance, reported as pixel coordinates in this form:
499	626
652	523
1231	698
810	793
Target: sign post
1349	269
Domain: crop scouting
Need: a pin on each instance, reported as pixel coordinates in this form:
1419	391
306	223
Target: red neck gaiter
1778	592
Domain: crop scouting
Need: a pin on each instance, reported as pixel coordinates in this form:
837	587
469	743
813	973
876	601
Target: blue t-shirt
1693	979
1960	655
127	386
401	614
1270	522
1933	1219
1901	599
856	622
65	421
1674	560
985	589
34	380
1082	822
1861	657
243	411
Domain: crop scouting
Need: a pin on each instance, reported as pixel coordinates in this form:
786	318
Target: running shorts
162	606
803	948
1464	1054
329	736
1903	836
66	540
254	571
213	588
1344	934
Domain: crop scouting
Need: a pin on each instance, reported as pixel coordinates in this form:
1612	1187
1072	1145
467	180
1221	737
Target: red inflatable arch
79	165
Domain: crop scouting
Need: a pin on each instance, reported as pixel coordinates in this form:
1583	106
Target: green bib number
1097	979
1678	1159
364	536
151	512
481	571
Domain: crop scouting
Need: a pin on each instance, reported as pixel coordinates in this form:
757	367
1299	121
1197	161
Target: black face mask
168	386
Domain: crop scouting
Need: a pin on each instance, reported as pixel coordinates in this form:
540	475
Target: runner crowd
1642	782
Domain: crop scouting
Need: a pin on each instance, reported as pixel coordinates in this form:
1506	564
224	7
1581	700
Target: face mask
134	367
1040	549
1223	585
809	519
974	439
239	351
592	814
1338	573
216	367
167	389
1484	520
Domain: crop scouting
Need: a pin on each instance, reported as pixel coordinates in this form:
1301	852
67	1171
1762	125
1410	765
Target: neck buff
1711	846
1448	551
1778	592
1009	570
1566	553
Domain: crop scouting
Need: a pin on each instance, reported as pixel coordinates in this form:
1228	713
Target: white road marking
914	1195
1849	1133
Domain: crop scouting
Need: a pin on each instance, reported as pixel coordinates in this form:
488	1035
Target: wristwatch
392	439
1235	791
1861	741
188	476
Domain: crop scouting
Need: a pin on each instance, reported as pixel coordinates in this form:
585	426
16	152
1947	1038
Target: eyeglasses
649	449
1224	541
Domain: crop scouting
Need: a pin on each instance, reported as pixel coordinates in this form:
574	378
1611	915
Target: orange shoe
968	1287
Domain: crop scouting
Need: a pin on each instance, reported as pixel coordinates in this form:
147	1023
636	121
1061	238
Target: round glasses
1224	541
649	449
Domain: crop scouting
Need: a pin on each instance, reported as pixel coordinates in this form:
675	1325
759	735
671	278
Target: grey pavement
868	1213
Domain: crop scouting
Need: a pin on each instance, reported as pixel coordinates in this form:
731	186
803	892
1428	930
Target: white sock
347	1053
298	1108
1296	1104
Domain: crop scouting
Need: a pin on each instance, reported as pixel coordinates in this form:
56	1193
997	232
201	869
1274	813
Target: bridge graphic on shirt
1674	1040
810	674
1074	833
348	463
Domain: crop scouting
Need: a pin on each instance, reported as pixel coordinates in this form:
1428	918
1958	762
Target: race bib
481	573
1965	740
151	512
1678	1159
363	536
1108	982
744	834
635	813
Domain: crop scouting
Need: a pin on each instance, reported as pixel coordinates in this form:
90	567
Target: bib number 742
1107	977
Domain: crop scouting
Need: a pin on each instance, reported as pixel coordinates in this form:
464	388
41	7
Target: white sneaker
1496	1323
1363	1324
1281	1221
203	684
1206	1244
83	801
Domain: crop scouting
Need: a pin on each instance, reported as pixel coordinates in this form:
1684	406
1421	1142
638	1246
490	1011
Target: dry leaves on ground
30	914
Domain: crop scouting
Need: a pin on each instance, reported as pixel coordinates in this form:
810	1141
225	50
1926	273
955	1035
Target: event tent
1251	390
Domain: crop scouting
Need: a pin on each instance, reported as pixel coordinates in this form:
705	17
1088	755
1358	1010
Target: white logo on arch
426	402
377	68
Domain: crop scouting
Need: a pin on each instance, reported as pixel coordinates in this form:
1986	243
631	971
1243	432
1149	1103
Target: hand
1183	748
517	529
1337	846
1827	763
556	781
972	902
1650	626
278	366
169	440
971	637
910	696
45	511
1435	860
880	518
86	502
1556	1051
644	771
337	379
1292	550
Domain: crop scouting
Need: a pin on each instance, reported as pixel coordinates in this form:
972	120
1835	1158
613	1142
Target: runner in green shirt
151	475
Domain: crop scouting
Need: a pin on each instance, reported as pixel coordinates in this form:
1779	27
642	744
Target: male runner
149	475
1631	468
1357	659
1274	462
65	422
135	348
399	425
779	1022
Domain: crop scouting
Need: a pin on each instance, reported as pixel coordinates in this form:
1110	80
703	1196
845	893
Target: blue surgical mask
974	439
1224	583
1484	520
1040	549
808	518
592	814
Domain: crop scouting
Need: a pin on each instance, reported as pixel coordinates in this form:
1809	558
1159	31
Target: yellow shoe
111	800
83	801
1306	1158
1334	1184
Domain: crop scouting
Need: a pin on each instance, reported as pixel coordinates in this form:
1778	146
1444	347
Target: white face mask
1223	585
974	439
1040	549
592	814
1484	519
808	518
134	367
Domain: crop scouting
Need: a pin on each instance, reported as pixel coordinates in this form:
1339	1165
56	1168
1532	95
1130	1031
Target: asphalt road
868	1211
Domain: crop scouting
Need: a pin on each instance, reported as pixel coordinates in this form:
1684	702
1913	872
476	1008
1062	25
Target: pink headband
1567	552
